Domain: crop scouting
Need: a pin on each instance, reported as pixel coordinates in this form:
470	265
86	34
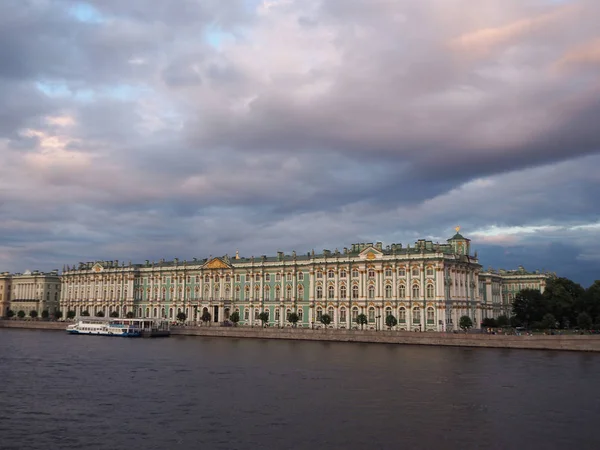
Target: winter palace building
427	287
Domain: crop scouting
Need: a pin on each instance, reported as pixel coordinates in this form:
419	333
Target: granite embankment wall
589	343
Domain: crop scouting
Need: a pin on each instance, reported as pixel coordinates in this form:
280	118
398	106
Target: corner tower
460	244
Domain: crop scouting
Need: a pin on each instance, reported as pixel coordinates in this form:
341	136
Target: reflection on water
73	392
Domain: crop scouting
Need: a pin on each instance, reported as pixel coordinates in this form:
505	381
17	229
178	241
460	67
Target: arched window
430	316
371	314
415	291
267	293
331	292
247	293
354	313
355	291
330	312
319	313
288	292
277	292
343	292
300	276
237	293
300	314
256	314
401	291
388	311
371	291
416	315
300	292
388	291
430	290
343	315
319	292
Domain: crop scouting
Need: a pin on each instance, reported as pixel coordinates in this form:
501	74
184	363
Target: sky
139	129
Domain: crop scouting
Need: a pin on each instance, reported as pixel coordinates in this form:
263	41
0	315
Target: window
268	277
197	279
288	293
371	273
300	314
288	277
300	276
401	291
237	293
354	273
300	292
430	271
355	291
415	291
331	292
246	314
247	293
330	313
319	292
416	315
415	271
388	291
257	277
354	314
430	290
388	311
256	292
267	293
343	315
401	272
277	292
237	278
430	316
343	273
277	314
206	278
277	277
256	314
319	314
319	274
330	274
343	292
371	292
371	314
388	272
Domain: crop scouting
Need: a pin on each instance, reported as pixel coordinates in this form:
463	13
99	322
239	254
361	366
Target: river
83	392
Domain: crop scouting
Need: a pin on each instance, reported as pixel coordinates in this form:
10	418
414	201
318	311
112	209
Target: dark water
79	392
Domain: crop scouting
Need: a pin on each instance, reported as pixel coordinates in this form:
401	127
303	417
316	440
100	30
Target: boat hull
104	333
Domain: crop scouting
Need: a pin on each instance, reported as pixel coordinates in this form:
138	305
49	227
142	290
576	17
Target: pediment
97	267
216	263
370	253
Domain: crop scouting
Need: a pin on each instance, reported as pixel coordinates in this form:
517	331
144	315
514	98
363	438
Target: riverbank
587	343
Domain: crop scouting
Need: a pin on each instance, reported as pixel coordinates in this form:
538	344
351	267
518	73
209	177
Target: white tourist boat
106	327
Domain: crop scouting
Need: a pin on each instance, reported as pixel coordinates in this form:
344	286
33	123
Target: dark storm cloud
142	130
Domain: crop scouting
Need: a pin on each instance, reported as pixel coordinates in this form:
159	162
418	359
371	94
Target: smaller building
35	291
5	285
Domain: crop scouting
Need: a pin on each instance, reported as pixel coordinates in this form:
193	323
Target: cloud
133	130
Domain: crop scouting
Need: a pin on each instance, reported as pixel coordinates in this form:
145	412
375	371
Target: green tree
235	318
85	313
293	318
325	319
502	321
264	317
45	314
10	313
33	314
71	314
465	323
205	317
590	302
489	322
361	320
584	321
58	314
181	317
21	314
548	322
100	313
529	306
130	315
564	299
391	321
114	314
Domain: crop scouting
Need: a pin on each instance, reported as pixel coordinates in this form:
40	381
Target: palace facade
426	287
30	291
